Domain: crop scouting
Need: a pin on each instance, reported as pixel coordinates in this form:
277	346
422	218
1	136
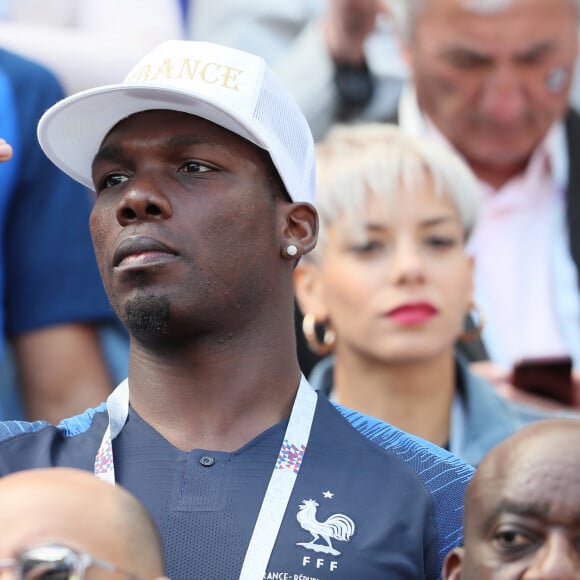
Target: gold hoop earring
470	334
323	347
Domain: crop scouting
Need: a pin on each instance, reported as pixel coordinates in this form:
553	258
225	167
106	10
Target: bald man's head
75	508
522	508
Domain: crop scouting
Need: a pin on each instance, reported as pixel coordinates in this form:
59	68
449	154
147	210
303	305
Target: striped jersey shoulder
444	475
410	448
68	427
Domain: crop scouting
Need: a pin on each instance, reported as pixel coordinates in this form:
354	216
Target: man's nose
557	558
504	96
143	200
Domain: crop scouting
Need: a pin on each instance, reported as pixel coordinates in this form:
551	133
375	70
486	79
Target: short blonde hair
357	161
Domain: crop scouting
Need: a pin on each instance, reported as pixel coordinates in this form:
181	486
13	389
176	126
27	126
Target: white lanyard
281	482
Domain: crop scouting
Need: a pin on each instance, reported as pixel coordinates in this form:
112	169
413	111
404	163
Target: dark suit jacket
573	191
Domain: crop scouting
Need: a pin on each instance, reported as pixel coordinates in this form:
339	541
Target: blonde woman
389	285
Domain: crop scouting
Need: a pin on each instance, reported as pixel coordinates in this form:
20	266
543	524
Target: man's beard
147	317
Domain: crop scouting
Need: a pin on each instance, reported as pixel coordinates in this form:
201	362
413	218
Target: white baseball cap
231	88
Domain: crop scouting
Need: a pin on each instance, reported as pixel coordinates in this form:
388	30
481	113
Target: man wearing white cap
203	169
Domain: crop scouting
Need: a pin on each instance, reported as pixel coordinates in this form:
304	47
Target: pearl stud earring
291	250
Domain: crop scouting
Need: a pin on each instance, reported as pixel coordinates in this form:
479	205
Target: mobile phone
546	377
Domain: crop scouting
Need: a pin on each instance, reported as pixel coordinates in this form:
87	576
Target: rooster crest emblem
337	527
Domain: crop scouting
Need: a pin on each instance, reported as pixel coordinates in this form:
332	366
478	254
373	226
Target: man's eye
467	60
111	180
195	167
513	539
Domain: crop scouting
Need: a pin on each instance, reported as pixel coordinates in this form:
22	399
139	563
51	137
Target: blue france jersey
370	501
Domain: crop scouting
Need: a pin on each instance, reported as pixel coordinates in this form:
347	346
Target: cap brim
71	132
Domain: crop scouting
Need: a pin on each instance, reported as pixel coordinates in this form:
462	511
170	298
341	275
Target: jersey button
206	460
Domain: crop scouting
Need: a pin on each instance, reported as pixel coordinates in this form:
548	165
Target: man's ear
299	228
452	564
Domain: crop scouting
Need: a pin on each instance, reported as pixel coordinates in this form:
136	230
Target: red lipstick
412	314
